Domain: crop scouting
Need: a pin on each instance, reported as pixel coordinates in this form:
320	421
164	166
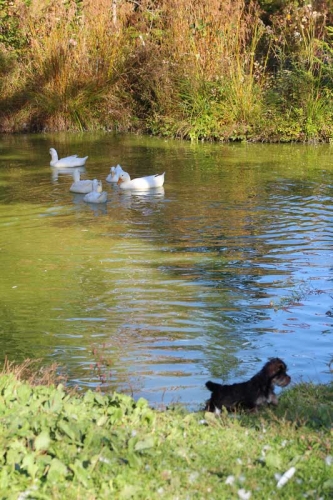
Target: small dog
251	394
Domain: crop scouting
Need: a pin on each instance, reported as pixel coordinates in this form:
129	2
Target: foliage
11	33
207	70
302	88
56	445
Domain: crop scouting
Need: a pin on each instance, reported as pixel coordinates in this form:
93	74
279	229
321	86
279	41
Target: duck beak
119	181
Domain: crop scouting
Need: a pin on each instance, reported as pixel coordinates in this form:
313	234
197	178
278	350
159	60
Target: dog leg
272	399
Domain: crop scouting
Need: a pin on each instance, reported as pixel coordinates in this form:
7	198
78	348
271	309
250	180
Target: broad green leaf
42	441
14	457
69	429
29	464
80	473
89	397
64	450
61	389
57	471
101	400
142	403
146	443
55	403
4	478
211	419
273	460
191	417
328	484
116	414
295	460
18	444
24	393
22	427
94	438
134	459
102	420
129	491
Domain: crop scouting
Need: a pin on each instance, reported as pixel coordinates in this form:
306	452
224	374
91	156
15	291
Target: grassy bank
60	445
206	69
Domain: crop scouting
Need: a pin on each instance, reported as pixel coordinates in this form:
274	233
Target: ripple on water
229	264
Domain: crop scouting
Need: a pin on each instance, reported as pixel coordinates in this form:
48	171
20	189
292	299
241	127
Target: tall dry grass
302	89
31	371
68	75
204	75
199	69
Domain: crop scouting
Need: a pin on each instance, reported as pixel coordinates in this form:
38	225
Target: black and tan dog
249	395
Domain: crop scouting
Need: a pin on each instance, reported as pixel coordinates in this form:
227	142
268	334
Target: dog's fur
250	395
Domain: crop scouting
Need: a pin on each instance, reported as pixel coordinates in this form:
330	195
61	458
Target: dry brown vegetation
199	69
33	372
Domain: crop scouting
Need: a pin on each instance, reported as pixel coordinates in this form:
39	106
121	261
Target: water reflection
141	199
56	172
157	291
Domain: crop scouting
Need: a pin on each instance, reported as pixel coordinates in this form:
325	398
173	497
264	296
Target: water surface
155	293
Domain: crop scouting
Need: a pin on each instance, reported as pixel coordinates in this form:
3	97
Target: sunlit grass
58	445
201	70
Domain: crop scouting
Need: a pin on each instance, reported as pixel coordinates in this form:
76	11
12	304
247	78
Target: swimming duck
114	174
96	195
69	161
80	186
140	183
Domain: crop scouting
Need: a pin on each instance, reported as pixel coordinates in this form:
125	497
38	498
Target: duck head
123	177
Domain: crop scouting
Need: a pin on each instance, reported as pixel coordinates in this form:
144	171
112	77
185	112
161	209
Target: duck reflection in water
141	199
55	172
96	208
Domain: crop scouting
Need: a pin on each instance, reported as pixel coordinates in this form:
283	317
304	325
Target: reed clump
33	372
197	69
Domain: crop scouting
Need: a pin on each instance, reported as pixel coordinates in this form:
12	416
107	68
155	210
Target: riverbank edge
255	71
235	137
58	443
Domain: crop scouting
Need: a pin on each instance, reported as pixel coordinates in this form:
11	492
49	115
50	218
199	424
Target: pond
155	293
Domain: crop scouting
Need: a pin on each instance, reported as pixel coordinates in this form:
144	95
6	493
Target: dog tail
211	386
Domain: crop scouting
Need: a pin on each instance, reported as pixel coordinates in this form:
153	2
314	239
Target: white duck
140	183
114	174
69	161
80	186
96	195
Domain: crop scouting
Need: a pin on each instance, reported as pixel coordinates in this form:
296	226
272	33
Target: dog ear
276	366
282	365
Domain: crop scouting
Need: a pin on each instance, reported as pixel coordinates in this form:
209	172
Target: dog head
276	371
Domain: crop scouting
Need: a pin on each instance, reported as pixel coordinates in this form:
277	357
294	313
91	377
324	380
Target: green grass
59	445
